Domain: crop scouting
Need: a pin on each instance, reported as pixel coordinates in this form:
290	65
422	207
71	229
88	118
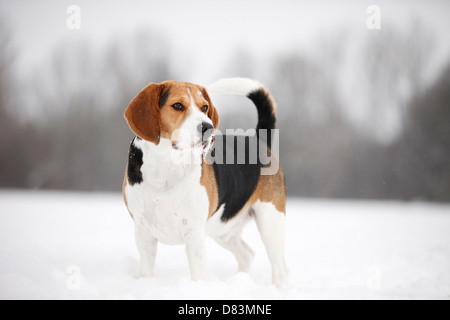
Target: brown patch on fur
143	115
272	189
208	180
212	111
150	121
125	182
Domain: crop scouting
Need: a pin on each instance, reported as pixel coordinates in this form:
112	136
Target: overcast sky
208	31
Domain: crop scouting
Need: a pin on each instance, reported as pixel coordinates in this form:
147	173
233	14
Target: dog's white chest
169	212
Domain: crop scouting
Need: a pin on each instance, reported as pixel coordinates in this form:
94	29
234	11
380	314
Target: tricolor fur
175	196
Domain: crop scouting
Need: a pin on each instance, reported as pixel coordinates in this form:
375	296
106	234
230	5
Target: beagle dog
178	193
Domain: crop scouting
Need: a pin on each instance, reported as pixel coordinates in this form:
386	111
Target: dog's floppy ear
143	114
212	111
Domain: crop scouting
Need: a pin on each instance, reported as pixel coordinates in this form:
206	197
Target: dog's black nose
206	129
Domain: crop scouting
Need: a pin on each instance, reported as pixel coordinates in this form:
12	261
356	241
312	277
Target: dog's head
179	111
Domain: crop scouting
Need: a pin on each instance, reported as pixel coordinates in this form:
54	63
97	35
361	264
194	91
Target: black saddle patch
134	164
237	180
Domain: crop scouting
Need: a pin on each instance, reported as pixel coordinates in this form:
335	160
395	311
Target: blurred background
363	113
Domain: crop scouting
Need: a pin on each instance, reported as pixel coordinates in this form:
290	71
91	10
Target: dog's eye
178	106
204	108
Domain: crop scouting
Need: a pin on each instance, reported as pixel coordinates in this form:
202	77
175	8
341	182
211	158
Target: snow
56	245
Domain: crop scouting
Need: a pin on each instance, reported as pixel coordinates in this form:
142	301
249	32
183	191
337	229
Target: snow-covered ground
56	245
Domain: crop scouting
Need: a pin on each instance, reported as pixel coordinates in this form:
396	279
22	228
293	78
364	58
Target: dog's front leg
147	246
196	253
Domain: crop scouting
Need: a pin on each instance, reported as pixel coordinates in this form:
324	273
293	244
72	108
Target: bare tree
394	65
11	157
314	134
423	152
325	154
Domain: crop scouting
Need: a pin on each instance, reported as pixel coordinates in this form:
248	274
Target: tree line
63	128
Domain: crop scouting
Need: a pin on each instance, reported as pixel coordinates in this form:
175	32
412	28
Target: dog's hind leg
241	251
271	226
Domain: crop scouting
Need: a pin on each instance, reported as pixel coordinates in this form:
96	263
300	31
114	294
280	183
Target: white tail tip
238	86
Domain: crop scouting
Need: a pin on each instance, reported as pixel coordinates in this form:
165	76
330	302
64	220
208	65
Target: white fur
271	226
238	86
228	235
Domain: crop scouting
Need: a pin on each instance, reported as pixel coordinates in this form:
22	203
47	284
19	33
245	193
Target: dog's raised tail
256	92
